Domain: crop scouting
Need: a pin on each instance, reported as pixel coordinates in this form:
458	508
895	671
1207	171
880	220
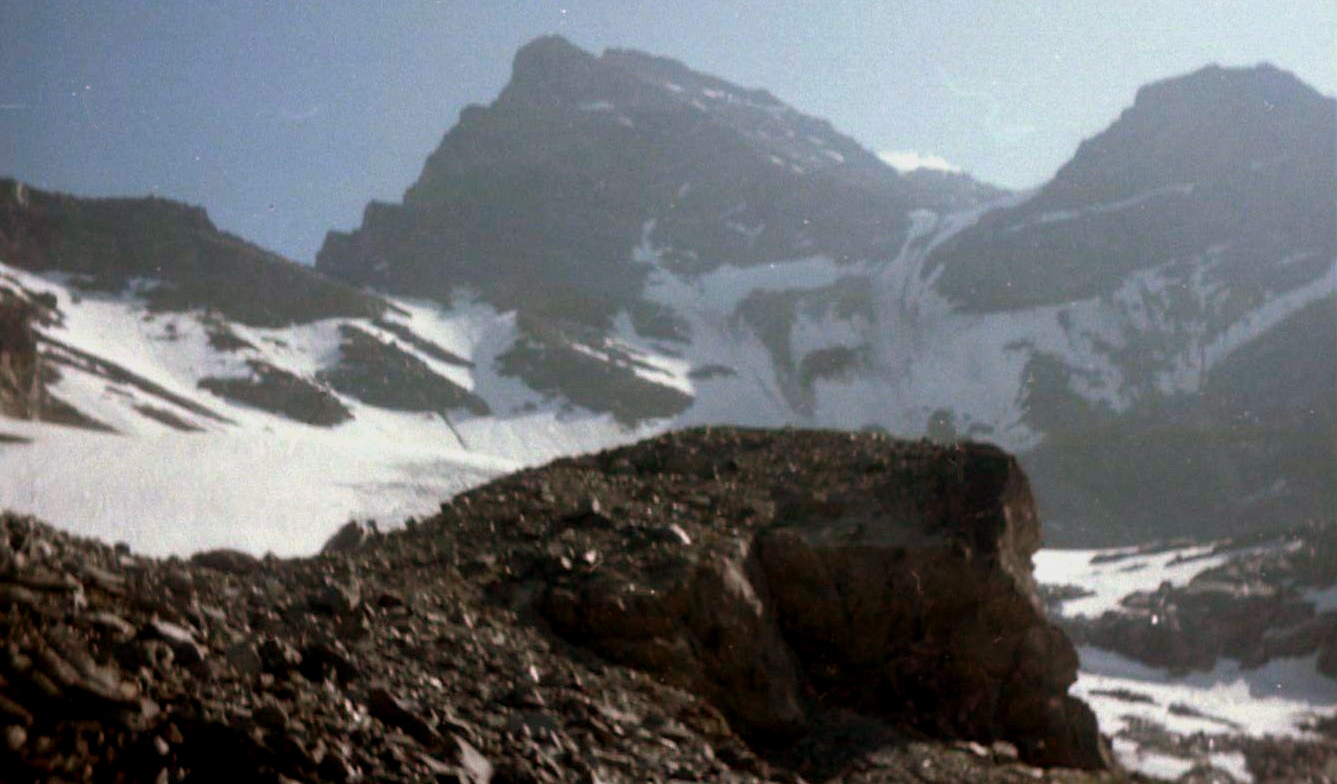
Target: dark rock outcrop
275	389
382	374
1327	655
28	369
21	387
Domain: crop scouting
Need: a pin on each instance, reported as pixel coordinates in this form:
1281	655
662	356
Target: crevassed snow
921	353
931	356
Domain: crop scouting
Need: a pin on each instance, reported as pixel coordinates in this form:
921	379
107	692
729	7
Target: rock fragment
385	706
225	560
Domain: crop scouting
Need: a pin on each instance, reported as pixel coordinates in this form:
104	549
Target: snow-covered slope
170	467
1165	721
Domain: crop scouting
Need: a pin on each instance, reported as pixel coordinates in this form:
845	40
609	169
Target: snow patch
1113	574
1275	699
910	160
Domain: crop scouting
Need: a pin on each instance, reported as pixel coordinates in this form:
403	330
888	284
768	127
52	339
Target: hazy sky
284	118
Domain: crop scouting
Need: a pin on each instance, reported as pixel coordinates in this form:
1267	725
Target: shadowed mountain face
539	200
171	251
1229	172
1206	218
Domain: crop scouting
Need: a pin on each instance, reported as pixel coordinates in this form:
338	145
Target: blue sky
285	118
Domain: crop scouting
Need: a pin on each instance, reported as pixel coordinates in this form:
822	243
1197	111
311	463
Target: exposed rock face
27	367
275	389
384	375
21	390
866	574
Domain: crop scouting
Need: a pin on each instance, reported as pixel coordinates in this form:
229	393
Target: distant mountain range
619	244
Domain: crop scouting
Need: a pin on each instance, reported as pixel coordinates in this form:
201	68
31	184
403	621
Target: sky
284	119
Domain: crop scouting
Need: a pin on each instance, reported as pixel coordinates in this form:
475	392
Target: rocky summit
711	605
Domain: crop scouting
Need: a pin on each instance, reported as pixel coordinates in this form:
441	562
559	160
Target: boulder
888	578
349	538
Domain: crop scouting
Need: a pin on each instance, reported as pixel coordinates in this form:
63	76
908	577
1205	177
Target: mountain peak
1212	124
669	74
545	52
1262	85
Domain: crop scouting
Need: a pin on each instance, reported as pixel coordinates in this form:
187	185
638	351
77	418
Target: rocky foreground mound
714	605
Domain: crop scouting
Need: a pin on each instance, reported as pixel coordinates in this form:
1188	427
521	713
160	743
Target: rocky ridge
170	252
427	654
